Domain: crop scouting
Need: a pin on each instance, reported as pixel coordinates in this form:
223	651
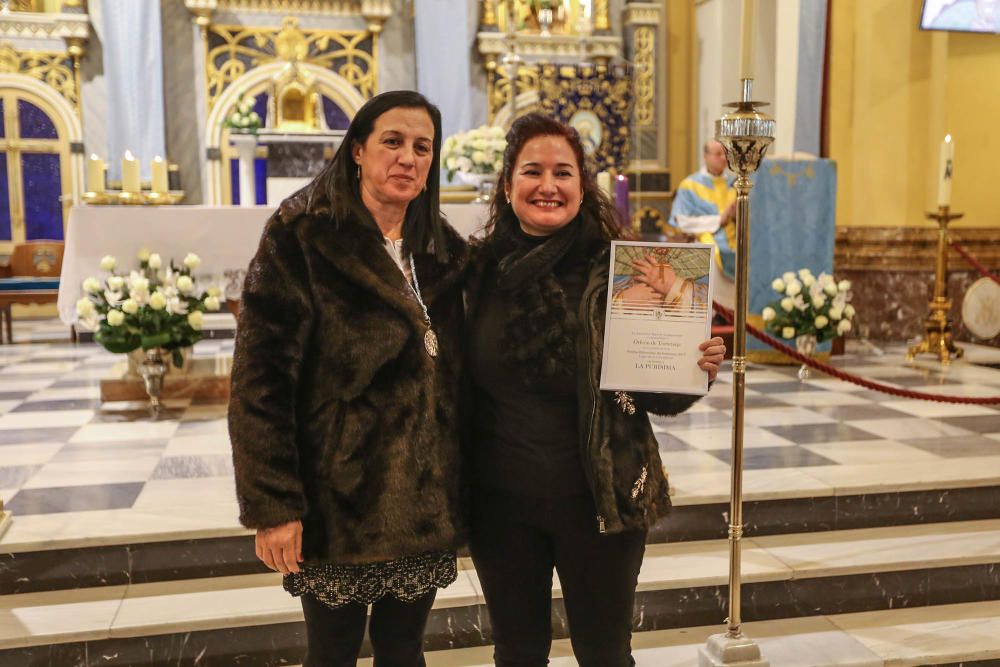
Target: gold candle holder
937	326
746	133
164	198
98	198
131	198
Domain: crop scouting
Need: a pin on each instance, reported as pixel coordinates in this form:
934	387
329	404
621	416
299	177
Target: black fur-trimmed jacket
338	416
620	454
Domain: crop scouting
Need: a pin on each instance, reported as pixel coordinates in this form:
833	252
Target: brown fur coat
338	416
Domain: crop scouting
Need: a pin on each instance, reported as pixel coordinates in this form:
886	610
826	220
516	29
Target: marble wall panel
295	159
892	271
892	304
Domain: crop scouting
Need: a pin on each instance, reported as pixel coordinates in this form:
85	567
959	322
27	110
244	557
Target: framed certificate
659	311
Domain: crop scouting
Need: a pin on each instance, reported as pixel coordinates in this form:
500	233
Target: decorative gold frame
249	47
58	70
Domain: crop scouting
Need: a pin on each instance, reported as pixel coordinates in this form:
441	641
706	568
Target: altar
224	237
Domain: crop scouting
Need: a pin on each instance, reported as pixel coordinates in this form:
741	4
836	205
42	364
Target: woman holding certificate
564	475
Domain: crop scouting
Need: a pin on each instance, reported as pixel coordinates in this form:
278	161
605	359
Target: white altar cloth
225	237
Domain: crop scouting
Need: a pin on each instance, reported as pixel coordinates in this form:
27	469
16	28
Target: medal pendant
431	342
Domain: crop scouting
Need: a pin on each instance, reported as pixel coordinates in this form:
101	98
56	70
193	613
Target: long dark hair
596	207
338	182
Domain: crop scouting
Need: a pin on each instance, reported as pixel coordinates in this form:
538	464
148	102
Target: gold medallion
431	342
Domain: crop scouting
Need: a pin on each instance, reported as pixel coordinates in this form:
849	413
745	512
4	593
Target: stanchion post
746	133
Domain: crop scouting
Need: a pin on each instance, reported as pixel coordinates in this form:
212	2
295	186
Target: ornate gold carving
50	67
326	7
607	97
235	50
489	14
645	63
642	14
602	18
26	5
499	89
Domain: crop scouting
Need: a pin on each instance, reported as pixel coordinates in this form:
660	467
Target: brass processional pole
746	133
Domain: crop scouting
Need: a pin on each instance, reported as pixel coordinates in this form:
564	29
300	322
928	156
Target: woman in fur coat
564	475
343	409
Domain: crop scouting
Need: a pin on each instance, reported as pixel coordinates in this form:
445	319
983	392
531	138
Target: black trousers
515	543
396	631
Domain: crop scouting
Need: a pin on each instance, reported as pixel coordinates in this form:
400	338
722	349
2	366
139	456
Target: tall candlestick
95	174
945	171
130	173
159	175
621	199
748	13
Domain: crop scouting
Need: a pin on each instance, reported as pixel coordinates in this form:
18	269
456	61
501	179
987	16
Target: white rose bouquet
154	306
243	118
478	151
809	305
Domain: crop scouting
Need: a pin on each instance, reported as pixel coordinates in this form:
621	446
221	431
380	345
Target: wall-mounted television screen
961	15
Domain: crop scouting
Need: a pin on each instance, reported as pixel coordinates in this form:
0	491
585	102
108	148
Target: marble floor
74	471
79	474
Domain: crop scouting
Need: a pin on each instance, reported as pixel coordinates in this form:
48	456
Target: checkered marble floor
75	471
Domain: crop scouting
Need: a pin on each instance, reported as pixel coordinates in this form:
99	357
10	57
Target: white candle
130	173
159	175
748	12
945	171
95	174
604	182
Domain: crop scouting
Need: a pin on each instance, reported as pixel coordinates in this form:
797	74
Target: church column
133	67
644	32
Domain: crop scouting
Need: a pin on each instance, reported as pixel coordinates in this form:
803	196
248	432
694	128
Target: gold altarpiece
296	66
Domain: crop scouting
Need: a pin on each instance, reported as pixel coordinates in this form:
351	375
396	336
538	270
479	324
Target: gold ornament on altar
295	100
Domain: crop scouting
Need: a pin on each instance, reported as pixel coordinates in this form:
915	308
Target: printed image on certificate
659	311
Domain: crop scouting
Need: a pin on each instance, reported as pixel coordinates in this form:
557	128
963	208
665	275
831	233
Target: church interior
166	132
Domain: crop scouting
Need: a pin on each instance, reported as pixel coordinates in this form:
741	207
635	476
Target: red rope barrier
975	264
847	377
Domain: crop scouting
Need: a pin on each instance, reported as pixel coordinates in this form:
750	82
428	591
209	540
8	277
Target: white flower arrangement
243	118
478	151
808	304
152	307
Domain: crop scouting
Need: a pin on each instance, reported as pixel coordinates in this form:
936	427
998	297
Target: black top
526	435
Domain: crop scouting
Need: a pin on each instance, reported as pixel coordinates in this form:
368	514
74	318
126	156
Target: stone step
32	562
943	636
680	585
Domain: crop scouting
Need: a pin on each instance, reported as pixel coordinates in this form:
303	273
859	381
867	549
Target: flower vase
484	184
137	356
152	370
805	344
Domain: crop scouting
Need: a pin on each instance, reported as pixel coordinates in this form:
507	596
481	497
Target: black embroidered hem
407	579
